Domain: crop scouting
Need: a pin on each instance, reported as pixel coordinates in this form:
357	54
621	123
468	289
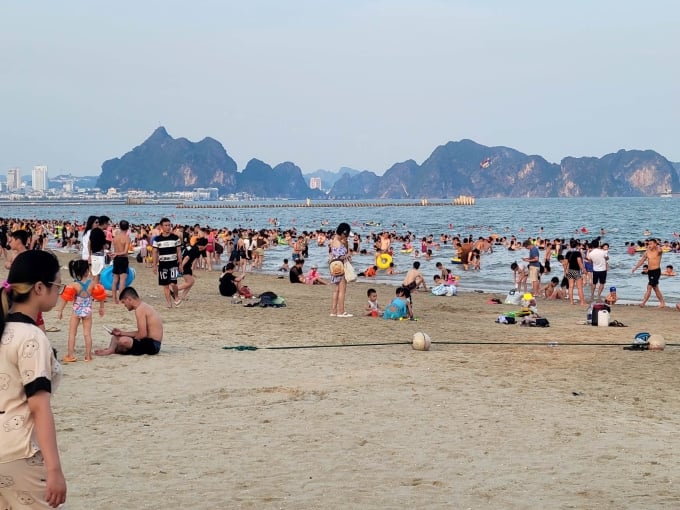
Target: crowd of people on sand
205	248
29	370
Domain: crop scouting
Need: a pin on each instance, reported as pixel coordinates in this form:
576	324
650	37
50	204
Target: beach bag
506	319
245	292
271	299
513	297
336	267
542	322
350	273
597	307
439	290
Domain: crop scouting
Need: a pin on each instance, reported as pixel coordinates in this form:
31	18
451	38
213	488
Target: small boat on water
667	194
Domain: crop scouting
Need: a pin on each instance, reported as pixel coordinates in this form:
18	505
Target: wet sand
350	426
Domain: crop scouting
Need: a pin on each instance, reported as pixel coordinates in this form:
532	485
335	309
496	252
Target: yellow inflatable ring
456	260
383	261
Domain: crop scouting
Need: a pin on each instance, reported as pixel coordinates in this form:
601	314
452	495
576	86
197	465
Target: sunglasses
60	287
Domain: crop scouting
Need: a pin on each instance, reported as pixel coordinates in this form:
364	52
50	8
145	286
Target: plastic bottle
589	316
553	344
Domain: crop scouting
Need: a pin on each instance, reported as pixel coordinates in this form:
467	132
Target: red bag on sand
245	292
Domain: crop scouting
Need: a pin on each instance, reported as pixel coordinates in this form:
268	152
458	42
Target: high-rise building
40	178
315	183
13	179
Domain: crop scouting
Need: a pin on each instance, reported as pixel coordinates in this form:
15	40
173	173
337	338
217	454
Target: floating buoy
383	261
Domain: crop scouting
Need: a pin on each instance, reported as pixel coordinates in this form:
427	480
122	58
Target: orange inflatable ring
383	261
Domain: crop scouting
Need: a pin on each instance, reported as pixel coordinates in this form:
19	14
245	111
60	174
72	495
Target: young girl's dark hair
28	268
78	269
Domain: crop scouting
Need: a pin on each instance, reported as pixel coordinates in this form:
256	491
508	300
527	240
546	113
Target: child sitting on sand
372	308
611	297
313	277
552	290
400	307
443	289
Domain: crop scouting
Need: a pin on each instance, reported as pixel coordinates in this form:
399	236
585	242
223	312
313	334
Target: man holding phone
146	339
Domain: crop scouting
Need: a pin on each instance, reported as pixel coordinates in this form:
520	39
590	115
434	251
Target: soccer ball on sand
421	341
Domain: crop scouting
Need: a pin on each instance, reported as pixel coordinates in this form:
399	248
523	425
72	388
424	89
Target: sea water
623	220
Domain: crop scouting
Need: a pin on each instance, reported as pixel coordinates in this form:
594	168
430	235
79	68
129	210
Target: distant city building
315	183
13	179
206	193
39	182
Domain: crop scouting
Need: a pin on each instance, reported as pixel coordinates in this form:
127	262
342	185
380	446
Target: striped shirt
167	247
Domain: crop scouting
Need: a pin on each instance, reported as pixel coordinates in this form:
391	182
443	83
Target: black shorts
599	277
167	273
186	269
144	346
411	285
653	276
120	265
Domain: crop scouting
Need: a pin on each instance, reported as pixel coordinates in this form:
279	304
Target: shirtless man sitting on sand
414	279
146	339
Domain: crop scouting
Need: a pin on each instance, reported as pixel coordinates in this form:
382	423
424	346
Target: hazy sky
336	83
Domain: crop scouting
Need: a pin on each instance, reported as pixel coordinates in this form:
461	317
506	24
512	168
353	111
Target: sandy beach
460	426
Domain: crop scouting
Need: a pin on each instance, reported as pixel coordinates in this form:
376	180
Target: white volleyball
657	343
421	341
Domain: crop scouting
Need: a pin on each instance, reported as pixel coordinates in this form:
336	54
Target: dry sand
460	426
